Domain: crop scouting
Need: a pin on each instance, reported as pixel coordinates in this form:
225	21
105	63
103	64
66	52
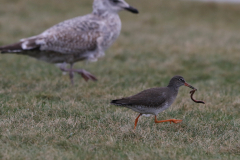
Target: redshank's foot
175	121
168	120
85	74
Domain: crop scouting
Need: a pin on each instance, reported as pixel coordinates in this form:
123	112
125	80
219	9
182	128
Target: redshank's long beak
188	85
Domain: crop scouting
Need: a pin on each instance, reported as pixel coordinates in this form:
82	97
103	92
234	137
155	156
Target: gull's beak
188	85
131	9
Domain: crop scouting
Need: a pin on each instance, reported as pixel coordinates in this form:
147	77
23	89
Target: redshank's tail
114	101
120	102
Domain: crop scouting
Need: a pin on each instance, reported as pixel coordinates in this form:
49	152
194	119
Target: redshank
154	100
81	38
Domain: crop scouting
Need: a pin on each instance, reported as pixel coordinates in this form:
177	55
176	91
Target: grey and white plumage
154	100
150	101
81	38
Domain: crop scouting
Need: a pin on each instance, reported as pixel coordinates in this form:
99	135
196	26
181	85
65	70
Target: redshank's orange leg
168	120
136	120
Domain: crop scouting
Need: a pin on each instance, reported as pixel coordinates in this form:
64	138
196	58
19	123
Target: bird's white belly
149	109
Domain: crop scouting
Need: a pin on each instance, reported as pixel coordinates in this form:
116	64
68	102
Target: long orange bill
188	85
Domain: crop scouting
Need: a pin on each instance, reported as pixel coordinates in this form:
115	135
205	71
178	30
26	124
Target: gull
81	38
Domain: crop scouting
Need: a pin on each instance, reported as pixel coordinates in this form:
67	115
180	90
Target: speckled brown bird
81	38
154	100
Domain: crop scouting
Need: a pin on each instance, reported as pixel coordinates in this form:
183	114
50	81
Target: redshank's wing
150	97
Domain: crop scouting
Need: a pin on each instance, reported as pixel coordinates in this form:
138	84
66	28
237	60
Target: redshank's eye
180	79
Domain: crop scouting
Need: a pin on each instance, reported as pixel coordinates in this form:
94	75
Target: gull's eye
115	1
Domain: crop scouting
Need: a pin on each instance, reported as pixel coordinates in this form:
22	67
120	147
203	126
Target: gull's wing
74	36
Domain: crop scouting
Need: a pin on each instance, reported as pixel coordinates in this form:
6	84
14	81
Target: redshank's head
178	81
112	6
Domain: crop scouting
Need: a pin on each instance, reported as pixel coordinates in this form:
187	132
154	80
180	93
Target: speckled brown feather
81	38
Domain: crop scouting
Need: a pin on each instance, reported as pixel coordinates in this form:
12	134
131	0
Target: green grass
43	117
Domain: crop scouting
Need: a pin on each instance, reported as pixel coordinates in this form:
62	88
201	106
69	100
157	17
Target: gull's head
113	6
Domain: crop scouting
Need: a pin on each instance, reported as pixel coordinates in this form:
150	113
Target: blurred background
217	1
199	40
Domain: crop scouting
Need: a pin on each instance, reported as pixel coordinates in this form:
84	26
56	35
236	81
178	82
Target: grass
43	117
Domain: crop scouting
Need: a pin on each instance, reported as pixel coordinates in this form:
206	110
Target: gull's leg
71	74
136	120
168	120
85	74
62	65
64	69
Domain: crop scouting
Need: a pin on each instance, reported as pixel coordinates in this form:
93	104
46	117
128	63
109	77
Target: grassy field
43	117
